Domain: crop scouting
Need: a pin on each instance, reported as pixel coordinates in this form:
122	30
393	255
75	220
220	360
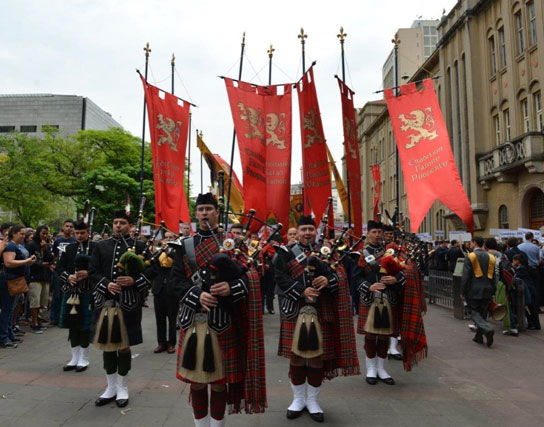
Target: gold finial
271	51
201	134
302	36
244	39
173	61
147	50
396	41
342	36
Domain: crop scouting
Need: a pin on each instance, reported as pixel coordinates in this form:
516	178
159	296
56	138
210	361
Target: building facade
32	113
490	61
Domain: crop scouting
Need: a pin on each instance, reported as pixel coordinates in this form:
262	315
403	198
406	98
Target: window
29	128
503	217
538	111
45	127
493	55
525	115
532	22
502	47
519	30
5	129
506	115
497	127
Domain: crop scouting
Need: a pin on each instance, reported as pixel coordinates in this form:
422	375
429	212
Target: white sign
536	233
146	230
439	233
464	237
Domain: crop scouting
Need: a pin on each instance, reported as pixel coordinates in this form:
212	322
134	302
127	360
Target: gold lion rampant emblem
274	126
171	129
349	131
310	121
254	117
420	121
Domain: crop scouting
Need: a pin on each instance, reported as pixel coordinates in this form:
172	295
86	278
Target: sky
92	49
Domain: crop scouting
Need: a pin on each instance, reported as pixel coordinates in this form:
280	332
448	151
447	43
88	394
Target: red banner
377	181
262	119
168	127
316	175
425	152
353	159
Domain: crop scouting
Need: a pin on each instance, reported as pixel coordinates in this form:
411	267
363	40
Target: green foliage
39	177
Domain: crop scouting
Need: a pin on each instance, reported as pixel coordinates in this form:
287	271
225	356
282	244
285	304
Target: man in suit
478	288
166	307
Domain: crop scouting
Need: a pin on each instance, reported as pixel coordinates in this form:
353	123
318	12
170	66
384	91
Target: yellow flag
216	164
339	183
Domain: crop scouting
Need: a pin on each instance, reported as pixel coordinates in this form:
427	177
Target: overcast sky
92	48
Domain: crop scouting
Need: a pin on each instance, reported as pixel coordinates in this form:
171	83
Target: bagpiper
117	274
317	332
380	292
221	336
77	289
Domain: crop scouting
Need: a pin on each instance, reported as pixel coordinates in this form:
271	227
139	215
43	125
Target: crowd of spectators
519	268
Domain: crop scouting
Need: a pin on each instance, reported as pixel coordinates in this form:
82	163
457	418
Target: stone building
31	113
490	61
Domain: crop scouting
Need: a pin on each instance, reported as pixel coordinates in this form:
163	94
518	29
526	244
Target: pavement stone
460	383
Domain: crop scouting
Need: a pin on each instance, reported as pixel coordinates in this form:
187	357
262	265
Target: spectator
442	256
236	231
291	236
15	258
454	253
513	249
532	254
39	274
522	274
185	229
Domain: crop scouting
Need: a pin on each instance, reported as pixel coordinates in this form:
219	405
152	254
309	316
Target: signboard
439	233
146	230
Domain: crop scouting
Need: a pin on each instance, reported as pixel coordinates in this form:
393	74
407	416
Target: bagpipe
131	262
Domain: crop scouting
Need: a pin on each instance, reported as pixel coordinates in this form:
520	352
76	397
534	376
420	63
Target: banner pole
201	164
270	54
173	65
189	160
147	51
234	136
342	37
303	36
396	216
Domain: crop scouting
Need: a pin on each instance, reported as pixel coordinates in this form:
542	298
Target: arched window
503	217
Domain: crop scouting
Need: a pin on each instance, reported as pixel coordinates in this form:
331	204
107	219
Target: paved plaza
460	384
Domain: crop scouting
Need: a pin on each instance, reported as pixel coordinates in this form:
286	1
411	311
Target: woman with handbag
12	281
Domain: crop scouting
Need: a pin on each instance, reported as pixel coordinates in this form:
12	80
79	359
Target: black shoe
271	311
121	403
318	416
534	327
478	339
67	368
371	380
395	356
81	368
293	414
17	340
101	401
489	338
8	344
388	381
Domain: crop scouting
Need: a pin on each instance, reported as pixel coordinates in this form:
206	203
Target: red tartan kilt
231	352
363	314
287	330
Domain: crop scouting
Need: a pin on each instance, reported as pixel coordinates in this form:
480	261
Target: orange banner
428	165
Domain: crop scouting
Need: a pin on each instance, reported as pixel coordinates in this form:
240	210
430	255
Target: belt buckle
300	257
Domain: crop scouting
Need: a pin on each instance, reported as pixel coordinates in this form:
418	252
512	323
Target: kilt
84	307
363	315
133	323
287	330
232	354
